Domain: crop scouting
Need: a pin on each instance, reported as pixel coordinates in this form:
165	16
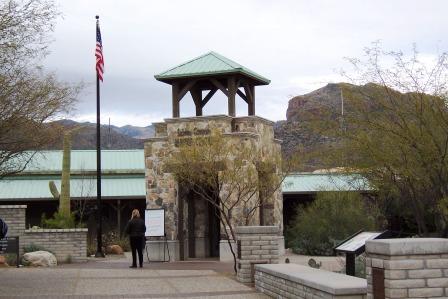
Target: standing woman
136	230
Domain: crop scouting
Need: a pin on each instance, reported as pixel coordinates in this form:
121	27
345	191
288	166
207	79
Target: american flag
99	53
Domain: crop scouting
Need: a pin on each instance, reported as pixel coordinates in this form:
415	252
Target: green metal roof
123	175
208	64
311	183
35	188
112	161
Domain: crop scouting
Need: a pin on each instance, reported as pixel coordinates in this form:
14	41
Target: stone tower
192	228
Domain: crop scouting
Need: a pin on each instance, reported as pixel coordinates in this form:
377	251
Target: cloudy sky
299	45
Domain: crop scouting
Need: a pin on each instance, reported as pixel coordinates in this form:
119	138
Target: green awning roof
112	161
312	183
36	188
208	64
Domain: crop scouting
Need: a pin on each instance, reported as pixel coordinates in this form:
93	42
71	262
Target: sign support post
155	227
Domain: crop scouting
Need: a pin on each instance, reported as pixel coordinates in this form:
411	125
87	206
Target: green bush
59	221
33	247
332	217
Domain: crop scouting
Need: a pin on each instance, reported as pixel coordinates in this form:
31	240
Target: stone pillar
407	268
14	216
255	245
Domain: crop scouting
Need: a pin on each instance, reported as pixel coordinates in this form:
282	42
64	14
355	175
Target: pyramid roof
209	64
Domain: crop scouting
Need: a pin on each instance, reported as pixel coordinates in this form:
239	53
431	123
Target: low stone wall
296	281
255	245
68	245
407	268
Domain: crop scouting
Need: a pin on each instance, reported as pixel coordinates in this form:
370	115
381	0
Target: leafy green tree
394	132
331	218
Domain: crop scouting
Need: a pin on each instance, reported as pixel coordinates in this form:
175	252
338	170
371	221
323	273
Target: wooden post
180	225
119	216
175	88
252	102
191	225
196	94
231	86
350	263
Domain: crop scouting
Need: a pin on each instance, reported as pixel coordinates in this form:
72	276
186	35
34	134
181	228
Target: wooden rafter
242	95
186	89
219	86
208	97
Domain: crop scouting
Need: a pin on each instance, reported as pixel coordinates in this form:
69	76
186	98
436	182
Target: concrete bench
296	281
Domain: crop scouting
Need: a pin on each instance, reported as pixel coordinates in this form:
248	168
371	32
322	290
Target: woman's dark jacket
136	227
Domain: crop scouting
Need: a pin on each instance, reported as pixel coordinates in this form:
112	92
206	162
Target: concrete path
111	278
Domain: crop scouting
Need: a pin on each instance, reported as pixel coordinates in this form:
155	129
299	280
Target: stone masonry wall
255	245
412	268
14	216
162	189
68	245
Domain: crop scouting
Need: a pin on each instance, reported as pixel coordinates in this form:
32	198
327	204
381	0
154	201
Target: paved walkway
111	278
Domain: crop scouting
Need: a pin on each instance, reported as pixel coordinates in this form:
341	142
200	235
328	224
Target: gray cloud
297	44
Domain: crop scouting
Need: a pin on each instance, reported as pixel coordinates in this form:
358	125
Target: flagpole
99	231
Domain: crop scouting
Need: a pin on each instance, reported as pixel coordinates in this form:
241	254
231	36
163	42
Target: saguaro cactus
64	196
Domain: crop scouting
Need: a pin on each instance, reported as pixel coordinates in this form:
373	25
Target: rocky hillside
113	137
329	96
295	132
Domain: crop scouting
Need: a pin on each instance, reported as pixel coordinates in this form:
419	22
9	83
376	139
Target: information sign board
355	243
155	222
10	245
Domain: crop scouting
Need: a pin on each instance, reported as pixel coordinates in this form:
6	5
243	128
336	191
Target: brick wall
65	244
14	216
407	268
255	245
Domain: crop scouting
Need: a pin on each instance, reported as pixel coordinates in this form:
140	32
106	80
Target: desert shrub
332	217
11	259
58	221
114	238
91	246
33	247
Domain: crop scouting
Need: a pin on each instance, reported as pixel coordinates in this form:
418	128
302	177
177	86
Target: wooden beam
186	89
175	95
180	224
208	96
219	86
250	93
231	85
119	217
252	103
238	83
242	95
196	94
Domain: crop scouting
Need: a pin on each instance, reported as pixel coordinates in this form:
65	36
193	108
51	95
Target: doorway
203	227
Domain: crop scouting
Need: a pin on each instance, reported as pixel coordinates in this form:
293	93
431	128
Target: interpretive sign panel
155	222
355	243
10	245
